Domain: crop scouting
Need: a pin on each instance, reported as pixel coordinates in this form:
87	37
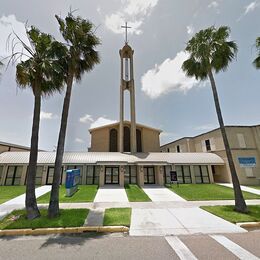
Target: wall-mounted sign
247	162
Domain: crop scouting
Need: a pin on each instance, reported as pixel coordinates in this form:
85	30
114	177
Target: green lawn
68	218
135	193
207	192
255	187
228	213
10	192
117	217
86	193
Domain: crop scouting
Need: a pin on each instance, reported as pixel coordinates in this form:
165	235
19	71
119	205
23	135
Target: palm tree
257	60
211	51
81	57
41	73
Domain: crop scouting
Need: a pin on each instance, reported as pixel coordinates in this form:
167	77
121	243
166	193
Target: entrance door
112	175
149	175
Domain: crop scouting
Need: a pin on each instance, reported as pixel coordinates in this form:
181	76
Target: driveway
178	221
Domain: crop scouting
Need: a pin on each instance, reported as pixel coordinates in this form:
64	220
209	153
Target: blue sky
165	98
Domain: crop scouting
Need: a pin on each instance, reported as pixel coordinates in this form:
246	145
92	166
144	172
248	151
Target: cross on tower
125	27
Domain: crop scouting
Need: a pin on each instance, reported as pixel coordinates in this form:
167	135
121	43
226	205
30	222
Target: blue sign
247	162
72	181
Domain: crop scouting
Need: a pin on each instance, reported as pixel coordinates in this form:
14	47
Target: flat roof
215	129
114	157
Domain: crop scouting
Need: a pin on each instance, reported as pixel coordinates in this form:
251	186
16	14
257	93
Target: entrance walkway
19	202
160	193
178	221
243	188
111	193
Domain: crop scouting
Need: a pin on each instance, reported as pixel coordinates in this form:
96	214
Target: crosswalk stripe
181	250
237	250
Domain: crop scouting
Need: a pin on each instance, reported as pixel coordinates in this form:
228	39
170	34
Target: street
120	246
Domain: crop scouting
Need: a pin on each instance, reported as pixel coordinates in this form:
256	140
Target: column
121	175
44	174
159	174
102	176
4	173
23	177
140	176
84	174
192	173
211	177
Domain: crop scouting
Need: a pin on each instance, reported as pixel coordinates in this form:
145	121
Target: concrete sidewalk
243	188
160	193
19	202
111	194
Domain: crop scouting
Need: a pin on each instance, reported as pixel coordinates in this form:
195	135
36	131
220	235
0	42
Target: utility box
72	181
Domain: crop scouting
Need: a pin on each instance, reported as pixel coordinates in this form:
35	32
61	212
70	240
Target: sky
165	97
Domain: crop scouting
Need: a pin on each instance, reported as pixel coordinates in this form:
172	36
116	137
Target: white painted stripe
181	250
237	250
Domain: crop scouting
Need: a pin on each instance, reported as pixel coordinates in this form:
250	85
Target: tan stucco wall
100	139
251	136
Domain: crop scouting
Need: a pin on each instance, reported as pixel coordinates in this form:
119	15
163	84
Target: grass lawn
68	218
255	187
10	192
135	193
117	217
207	192
86	193
228	213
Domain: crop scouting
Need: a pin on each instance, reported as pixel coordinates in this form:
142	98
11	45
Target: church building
122	153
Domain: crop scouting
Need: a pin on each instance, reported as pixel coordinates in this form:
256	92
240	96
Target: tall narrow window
207	143
127	142
126	69
139	140
113	140
178	149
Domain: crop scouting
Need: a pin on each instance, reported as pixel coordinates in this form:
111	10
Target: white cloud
167	77
133	11
47	115
251	7
190	29
79	140
86	119
213	4
8	25
101	121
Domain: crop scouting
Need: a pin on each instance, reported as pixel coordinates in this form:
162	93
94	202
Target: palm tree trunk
30	199
240	204
53	210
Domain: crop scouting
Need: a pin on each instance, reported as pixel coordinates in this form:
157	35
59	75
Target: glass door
112	175
149	175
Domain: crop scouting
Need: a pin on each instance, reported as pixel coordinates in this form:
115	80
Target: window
38	177
113	141
201	174
168	150
183	173
14	174
249	173
139	140
1	173
50	174
130	175
241	140
178	149
90	179
167	174
207	143
127	139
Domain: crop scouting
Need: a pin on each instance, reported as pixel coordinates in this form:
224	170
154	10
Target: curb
69	230
249	225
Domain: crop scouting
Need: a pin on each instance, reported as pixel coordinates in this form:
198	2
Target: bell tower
127	84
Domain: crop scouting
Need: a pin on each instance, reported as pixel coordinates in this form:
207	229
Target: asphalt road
118	246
